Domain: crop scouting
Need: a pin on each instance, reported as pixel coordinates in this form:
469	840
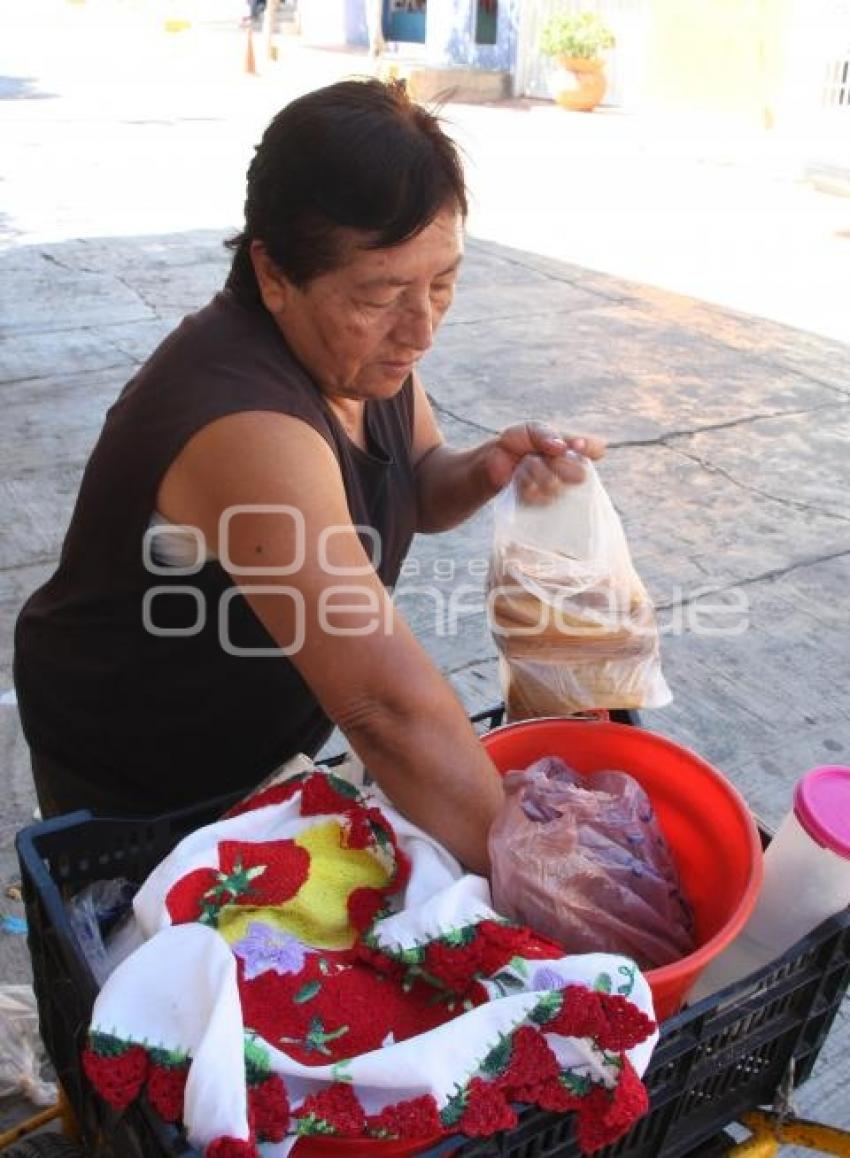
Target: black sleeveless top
159	720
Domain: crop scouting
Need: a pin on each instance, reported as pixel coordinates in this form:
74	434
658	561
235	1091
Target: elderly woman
222	593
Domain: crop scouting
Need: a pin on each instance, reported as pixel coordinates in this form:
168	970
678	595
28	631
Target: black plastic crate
723	1056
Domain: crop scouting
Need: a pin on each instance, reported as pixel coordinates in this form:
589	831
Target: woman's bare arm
332	615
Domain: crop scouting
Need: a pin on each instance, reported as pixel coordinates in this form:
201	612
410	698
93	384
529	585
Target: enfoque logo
445	594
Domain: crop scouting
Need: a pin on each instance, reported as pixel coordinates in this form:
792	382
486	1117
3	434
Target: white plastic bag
572	620
21	1048
105	925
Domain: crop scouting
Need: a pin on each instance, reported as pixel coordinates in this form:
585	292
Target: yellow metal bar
771	1131
763	1144
29	1125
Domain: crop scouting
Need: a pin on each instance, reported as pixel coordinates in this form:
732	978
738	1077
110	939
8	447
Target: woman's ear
275	289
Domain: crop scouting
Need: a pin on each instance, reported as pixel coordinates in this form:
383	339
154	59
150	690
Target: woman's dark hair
355	155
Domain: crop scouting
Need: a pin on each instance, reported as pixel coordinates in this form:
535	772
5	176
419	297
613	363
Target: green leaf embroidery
306	992
576	1083
603	983
519	965
453	1110
257	1061
458	937
310	1124
380	836
316	1039
229	887
547	1007
168	1058
412	956
343	787
340	1071
237	883
628	972
498	1059
107	1045
506	982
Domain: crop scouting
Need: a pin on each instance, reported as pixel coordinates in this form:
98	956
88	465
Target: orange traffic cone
250	63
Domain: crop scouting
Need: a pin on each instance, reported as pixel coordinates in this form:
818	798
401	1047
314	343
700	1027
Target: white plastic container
806	879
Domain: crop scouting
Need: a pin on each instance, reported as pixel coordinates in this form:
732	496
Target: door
405	20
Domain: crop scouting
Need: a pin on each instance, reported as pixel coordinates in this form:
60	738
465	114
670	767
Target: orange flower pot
577	83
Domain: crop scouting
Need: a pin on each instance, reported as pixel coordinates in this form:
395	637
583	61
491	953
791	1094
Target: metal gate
817	58
814	100
625	62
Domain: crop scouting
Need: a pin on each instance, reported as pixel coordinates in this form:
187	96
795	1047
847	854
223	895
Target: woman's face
361	328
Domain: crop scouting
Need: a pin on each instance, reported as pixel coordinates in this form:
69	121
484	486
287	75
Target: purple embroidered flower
264	948
546	978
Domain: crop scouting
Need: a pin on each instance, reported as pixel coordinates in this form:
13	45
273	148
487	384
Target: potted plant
575	41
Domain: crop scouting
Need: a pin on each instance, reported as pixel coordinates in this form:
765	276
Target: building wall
450	38
723	56
326	22
450	30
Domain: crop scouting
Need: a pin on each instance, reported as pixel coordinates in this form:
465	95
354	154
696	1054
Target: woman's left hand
540	459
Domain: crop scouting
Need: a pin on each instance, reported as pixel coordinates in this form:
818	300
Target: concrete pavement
728	431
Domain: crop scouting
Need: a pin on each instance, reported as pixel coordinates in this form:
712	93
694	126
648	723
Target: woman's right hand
540	460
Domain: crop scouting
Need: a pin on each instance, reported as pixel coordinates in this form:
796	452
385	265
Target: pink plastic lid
822	806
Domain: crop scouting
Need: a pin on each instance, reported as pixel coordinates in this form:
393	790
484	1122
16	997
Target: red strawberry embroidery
505	941
379	961
284	867
359	832
276	794
363	906
231	1148
454	966
532	1062
417	1118
166	1089
338	1107
580	1014
319	796
117	1077
550	1095
185	899
631	1101
612	1020
486	1111
605	1115
625	1024
491	948
268	1107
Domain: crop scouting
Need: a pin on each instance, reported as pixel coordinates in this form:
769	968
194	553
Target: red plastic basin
708	826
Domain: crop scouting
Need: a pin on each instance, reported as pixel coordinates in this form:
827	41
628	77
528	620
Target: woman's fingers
542	438
540	479
587	445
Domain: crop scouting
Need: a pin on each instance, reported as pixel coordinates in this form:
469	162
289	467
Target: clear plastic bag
573	623
104	924
21	1051
582	859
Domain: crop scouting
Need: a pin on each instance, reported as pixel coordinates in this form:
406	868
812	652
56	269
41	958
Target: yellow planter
577	83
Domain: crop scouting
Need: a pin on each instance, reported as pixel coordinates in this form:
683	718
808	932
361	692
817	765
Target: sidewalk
708	207
729	431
